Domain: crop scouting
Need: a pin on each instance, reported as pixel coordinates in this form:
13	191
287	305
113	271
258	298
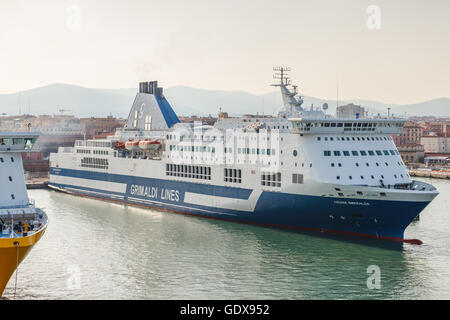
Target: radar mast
291	101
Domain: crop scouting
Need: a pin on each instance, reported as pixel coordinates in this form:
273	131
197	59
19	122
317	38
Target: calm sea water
96	250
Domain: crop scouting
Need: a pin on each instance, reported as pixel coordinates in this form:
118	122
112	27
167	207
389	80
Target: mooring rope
17	267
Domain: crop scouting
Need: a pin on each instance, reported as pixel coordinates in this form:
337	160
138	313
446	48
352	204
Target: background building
411	134
412	152
350	111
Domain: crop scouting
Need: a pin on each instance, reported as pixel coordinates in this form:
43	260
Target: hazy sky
231	45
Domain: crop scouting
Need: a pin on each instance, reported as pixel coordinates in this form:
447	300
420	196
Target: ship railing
414	186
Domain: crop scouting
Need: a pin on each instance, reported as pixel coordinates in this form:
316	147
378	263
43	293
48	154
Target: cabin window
297	178
271	179
232	175
10	178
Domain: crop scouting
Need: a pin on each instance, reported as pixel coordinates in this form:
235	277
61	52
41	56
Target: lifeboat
149	145
132	145
119	145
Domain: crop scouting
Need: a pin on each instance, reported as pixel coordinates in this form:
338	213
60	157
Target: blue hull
359	217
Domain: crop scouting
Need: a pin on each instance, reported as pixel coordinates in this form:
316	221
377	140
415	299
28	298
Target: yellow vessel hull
12	252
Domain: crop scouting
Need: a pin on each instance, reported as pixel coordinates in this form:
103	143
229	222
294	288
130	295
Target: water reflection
123	252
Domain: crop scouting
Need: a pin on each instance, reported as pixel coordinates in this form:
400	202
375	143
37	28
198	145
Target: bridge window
386	153
371	153
346	153
363	153
379	152
327	153
337	153
355	153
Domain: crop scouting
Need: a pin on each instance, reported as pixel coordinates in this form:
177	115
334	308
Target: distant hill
87	102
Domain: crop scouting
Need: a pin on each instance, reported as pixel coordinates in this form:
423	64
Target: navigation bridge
354	126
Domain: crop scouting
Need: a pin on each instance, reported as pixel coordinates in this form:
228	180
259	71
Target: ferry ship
21	223
300	170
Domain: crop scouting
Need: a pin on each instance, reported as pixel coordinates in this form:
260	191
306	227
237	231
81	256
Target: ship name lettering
144	191
170	194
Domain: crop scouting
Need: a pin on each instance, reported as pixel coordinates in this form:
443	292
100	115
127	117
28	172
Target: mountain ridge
100	102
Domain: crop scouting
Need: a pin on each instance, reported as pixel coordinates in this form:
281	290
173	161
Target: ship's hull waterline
379	219
12	252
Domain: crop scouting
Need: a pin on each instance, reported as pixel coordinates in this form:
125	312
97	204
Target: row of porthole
372	176
367	164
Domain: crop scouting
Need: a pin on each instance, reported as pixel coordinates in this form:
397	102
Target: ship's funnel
151	110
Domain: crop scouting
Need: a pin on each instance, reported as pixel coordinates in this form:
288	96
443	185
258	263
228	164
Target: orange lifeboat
149	145
132	145
119	145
